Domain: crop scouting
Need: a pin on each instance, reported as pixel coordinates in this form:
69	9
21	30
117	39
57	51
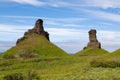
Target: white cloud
5	45
104	15
11	32
67	39
52	3
12	28
103	3
111	35
19	17
47	18
31	2
71	3
110	40
58	3
85	3
106	24
70	22
65	32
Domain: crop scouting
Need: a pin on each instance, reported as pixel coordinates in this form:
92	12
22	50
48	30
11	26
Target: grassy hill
52	63
91	52
111	60
117	52
56	68
115	55
34	45
69	68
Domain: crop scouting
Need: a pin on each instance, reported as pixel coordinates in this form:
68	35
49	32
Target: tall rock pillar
39	26
93	42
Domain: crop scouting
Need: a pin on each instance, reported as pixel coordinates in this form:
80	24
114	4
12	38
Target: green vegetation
61	68
115	53
34	45
105	63
92	52
64	68
38	59
111	60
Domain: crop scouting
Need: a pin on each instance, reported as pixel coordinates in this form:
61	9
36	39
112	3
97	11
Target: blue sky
67	21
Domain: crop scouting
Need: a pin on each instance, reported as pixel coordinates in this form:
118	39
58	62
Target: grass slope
69	68
117	52
36	44
115	55
111	60
91	52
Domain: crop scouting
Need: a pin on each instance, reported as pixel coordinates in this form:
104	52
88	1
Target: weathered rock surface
38	29
93	42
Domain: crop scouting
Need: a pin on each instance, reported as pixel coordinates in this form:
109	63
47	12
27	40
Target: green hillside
91	52
111	60
36	45
115	55
69	68
117	52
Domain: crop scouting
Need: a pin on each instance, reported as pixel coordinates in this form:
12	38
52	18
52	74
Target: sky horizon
67	22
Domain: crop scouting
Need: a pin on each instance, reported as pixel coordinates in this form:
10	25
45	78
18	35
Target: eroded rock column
38	29
93	42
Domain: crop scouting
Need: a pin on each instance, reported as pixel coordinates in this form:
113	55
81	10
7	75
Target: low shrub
14	76
105	64
8	56
32	75
27	54
19	76
5	63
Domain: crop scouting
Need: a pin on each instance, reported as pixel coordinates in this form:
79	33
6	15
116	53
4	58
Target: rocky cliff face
93	42
38	29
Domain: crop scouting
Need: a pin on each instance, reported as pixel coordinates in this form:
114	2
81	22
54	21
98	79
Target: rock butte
38	29
93	42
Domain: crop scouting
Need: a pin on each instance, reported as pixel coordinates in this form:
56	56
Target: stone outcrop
38	29
93	42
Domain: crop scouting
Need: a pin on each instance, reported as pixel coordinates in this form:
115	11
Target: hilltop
34	43
92	52
116	52
93	47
